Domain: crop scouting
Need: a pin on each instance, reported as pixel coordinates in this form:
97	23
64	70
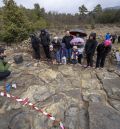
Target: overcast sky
67	6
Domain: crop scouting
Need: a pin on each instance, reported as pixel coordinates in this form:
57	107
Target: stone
112	87
72	117
106	75
80	98
115	104
21	121
18	59
94	96
66	70
103	117
48	75
84	118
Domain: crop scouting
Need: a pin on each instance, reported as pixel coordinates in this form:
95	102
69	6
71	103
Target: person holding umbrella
66	39
90	48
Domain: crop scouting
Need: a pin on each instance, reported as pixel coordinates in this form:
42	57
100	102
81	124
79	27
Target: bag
64	60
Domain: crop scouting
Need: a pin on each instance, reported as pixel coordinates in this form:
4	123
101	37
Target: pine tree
15	23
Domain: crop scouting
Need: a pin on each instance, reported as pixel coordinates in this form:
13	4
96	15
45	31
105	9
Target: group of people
63	52
113	37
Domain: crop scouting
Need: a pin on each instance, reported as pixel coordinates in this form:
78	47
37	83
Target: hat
75	47
107	43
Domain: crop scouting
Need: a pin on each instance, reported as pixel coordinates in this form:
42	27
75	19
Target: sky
66	6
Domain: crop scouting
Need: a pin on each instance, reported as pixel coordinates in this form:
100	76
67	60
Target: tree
40	12
98	9
83	10
15	22
97	12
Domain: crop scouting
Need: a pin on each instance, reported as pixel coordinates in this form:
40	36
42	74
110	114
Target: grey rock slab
103	117
72	118
112	87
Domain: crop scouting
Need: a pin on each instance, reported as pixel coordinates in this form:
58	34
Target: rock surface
103	117
80	98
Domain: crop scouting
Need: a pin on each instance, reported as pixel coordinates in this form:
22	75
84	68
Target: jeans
69	51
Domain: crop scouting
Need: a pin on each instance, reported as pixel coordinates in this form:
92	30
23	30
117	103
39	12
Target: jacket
90	46
45	38
108	36
102	50
66	40
35	42
75	54
3	66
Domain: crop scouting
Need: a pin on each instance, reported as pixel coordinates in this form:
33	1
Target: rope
26	102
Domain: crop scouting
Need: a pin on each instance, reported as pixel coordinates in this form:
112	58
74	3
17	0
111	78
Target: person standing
90	48
114	37
45	41
102	51
119	39
66	39
35	45
4	72
107	36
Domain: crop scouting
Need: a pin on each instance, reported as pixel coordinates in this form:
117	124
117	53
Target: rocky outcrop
80	98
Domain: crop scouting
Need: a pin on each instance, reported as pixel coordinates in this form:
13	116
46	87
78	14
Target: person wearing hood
119	39
102	51
107	36
4	72
45	41
36	46
90	48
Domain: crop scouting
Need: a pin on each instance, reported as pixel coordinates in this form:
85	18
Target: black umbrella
78	31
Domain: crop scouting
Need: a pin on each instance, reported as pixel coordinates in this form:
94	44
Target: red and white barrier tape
27	102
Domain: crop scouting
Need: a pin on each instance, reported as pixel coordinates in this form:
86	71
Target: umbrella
77	41
78	31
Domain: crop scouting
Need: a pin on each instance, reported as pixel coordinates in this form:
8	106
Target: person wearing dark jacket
45	41
102	51
56	43
66	40
119	39
90	48
35	45
114	37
